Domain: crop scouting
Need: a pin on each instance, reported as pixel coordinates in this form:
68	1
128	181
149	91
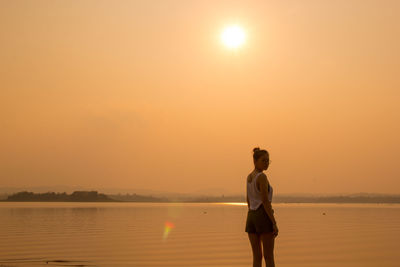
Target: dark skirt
258	221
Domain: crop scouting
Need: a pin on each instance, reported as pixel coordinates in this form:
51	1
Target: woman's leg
255	242
268	241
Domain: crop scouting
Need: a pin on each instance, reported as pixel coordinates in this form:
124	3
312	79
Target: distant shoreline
94	196
300	202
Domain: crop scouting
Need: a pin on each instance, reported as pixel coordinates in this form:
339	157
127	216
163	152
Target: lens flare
167	228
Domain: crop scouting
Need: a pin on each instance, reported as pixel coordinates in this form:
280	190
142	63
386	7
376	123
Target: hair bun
256	149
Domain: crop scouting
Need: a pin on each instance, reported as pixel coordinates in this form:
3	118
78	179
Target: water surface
194	234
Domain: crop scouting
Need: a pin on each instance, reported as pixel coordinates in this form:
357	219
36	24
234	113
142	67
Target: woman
260	223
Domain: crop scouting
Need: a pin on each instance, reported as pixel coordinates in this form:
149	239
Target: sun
233	36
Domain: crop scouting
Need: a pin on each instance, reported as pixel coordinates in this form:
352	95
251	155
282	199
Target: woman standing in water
260	223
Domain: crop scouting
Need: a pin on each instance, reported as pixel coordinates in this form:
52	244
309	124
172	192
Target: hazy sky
141	94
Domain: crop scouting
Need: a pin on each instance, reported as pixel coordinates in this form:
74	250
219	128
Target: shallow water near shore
194	234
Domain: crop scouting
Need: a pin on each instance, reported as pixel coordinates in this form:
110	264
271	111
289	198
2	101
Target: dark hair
258	153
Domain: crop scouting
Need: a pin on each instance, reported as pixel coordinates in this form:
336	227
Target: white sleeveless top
254	195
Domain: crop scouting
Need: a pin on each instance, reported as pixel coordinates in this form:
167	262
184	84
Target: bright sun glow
233	36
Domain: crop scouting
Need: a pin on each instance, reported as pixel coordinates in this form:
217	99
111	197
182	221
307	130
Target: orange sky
141	94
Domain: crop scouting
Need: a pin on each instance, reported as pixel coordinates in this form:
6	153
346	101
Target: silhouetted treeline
222	198
338	199
302	199
79	196
94	196
138	198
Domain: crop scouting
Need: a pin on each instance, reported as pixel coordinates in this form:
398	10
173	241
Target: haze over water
203	234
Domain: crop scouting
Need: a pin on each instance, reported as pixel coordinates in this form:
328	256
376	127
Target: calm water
201	234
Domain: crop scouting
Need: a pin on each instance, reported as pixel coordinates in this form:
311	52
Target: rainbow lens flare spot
167	228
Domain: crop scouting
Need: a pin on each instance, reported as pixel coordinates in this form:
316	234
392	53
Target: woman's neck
257	170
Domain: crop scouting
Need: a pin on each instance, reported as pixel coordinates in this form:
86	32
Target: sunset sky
143	94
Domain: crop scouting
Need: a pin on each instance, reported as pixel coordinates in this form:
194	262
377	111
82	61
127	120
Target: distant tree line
338	199
138	198
305	199
301	199
94	196
78	196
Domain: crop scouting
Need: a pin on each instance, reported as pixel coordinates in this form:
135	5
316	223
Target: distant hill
352	198
104	190
138	198
94	196
77	196
118	190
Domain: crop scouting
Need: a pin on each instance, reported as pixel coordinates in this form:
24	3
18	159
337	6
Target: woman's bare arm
263	182
247	196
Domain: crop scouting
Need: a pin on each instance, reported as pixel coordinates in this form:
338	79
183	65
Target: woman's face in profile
263	162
